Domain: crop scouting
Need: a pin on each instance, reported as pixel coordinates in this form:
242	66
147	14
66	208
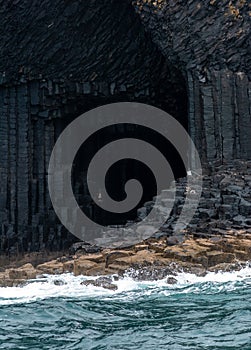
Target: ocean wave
69	286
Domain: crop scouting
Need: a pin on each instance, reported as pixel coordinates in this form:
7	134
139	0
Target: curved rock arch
210	41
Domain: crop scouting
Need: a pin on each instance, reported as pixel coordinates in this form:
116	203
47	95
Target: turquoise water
213	312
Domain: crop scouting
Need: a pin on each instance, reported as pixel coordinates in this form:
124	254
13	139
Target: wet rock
171	280
152	273
59	282
16	277
104	282
226	267
68	266
6	282
198	271
147	263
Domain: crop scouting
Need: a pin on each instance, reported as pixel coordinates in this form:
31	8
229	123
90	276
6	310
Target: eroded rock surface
157	260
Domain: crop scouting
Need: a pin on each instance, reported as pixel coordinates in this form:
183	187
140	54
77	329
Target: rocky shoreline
151	260
217	239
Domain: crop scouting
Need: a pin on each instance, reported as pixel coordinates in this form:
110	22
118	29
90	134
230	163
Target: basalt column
33	114
219	115
210	42
59	59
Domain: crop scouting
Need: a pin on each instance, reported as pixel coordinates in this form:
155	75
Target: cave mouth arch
170	100
86	55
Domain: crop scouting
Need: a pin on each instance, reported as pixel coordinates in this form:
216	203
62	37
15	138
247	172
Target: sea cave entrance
172	100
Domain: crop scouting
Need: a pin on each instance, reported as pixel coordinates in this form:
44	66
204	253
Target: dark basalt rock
172	241
59	59
59	283
224	205
152	273
171	280
104	282
210	42
84	248
200	35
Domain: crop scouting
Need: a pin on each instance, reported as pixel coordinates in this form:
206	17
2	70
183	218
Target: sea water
211	312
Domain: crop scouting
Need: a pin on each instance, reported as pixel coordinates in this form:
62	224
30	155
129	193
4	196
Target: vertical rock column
195	121
243	114
13	146
14	167
220	115
4	153
23	162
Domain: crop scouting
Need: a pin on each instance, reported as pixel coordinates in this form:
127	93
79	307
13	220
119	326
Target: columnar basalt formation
225	203
210	42
59	59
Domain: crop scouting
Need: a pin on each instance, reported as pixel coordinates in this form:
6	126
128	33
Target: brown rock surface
152	259
26	271
51	267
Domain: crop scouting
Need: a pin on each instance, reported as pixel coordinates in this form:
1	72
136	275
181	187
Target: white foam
127	287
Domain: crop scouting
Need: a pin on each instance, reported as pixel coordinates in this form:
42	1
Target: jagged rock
84	248
198	271
104	282
192	256
151	273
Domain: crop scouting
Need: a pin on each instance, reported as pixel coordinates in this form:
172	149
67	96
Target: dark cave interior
103	55
60	59
124	169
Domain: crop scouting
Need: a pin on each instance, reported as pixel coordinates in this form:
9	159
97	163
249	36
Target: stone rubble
225	204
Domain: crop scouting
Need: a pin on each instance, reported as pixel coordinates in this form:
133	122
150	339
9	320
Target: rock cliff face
58	59
210	42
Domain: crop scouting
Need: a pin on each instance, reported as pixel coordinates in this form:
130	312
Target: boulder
171	280
59	282
173	240
103	282
24	272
